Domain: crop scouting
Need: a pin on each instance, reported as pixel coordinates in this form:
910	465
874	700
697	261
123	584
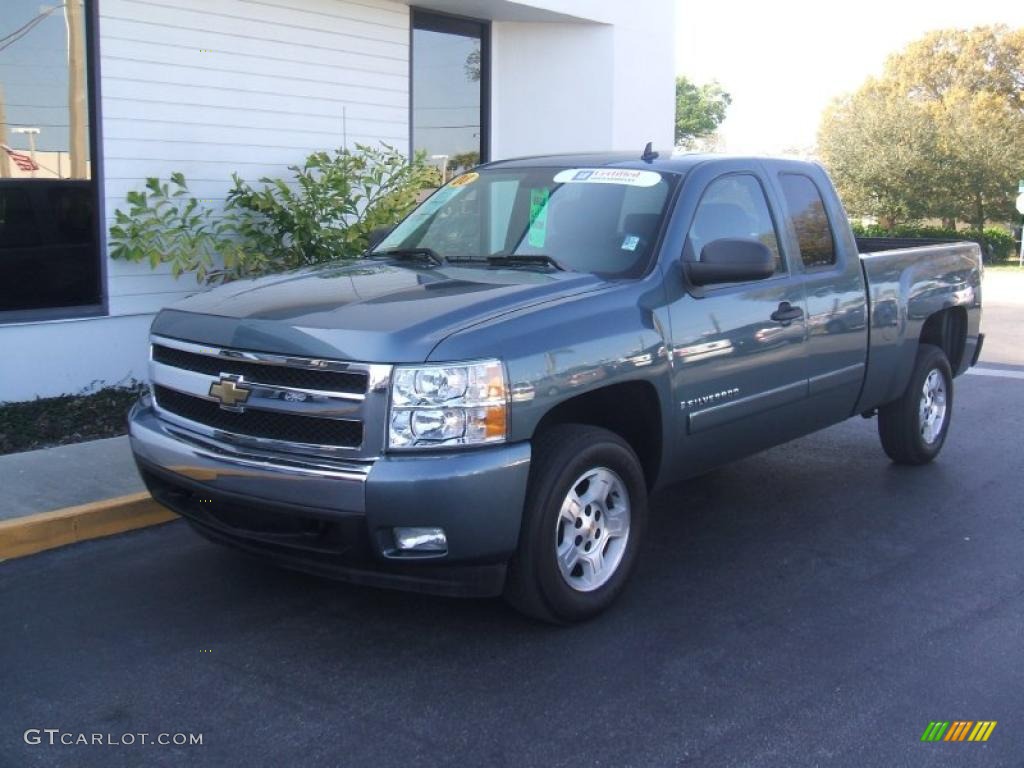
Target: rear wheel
913	429
585	514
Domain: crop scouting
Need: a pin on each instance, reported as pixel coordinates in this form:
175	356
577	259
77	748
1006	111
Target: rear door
738	350
826	256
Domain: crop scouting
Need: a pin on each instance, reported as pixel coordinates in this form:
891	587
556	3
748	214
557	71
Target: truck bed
909	280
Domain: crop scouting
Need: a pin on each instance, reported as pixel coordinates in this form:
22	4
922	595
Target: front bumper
336	518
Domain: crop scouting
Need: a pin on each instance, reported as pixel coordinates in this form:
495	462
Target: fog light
421	540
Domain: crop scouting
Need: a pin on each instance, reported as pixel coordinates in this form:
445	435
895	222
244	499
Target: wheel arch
947	330
630	409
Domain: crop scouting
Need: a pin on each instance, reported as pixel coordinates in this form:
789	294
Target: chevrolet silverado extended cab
483	404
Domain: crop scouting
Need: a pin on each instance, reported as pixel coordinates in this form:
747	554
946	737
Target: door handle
787	313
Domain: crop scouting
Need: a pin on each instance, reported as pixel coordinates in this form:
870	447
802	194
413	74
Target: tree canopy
700	109
939	135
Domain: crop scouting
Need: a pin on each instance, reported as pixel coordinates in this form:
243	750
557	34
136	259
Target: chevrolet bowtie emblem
230	392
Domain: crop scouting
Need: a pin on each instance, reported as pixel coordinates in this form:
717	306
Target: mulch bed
50	421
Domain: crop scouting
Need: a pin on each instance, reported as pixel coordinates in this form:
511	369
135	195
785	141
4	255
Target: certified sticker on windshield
627	176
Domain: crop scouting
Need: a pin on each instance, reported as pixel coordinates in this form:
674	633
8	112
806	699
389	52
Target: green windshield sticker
538	216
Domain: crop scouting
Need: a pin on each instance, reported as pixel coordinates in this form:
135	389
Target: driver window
735	207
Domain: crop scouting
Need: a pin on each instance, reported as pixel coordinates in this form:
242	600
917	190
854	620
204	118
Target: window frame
467	26
92	83
772	214
791	223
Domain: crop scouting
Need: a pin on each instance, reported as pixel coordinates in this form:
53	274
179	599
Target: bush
166	224
331	206
996	244
325	212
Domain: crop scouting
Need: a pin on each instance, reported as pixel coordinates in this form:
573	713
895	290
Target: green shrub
996	244
165	223
330	207
323	213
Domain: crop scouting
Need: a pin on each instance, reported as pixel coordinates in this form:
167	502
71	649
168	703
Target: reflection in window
49	255
449	76
807	210
733	207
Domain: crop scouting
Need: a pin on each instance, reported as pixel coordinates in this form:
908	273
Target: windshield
602	220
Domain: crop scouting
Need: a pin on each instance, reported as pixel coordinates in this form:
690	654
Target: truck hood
369	311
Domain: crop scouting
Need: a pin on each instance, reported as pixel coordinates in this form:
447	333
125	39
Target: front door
739	349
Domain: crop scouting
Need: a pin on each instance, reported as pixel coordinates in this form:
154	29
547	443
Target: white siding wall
209	87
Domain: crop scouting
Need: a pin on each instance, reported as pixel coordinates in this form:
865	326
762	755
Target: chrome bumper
222	467
477	496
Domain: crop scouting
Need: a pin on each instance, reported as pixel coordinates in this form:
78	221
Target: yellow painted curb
46	530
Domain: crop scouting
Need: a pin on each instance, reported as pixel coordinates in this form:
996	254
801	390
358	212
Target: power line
11	38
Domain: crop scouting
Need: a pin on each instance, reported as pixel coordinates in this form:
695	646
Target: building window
50	263
450	88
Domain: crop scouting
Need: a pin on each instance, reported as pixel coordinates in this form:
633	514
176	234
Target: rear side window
733	206
810	222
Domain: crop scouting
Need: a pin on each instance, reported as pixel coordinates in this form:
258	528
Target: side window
807	212
734	207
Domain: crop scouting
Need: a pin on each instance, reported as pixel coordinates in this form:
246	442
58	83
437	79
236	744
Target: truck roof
668	160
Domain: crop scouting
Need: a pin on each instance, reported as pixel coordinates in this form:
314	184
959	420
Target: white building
208	87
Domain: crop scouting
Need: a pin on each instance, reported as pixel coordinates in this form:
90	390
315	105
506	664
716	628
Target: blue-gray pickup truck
483	404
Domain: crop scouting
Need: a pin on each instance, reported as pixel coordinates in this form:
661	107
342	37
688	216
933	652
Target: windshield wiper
527	259
426	254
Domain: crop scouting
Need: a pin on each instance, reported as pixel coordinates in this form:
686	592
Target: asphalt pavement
812	605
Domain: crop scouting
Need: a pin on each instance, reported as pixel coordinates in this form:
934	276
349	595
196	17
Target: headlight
445	405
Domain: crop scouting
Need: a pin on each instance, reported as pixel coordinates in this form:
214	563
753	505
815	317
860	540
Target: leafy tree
946	119
700	109
878	149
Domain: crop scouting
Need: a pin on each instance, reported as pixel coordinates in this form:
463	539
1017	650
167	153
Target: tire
600	552
914	428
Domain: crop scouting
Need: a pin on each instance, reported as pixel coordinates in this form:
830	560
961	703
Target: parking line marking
996	372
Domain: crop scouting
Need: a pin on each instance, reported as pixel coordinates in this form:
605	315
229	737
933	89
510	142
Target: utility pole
5	161
76	89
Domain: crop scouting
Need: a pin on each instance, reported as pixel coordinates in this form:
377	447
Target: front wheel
913	428
586	512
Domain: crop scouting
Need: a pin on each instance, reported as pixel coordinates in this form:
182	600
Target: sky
34	74
784	61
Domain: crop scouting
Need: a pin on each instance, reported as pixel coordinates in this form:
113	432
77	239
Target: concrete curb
47	530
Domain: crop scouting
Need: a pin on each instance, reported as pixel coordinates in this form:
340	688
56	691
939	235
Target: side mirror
731	260
376	237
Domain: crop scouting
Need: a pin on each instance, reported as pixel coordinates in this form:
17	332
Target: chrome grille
304	378
295	428
291	404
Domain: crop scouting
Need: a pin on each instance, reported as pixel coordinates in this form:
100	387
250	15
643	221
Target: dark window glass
449	86
49	238
733	207
807	212
72	209
17	221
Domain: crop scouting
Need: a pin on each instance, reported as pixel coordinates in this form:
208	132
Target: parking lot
812	605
